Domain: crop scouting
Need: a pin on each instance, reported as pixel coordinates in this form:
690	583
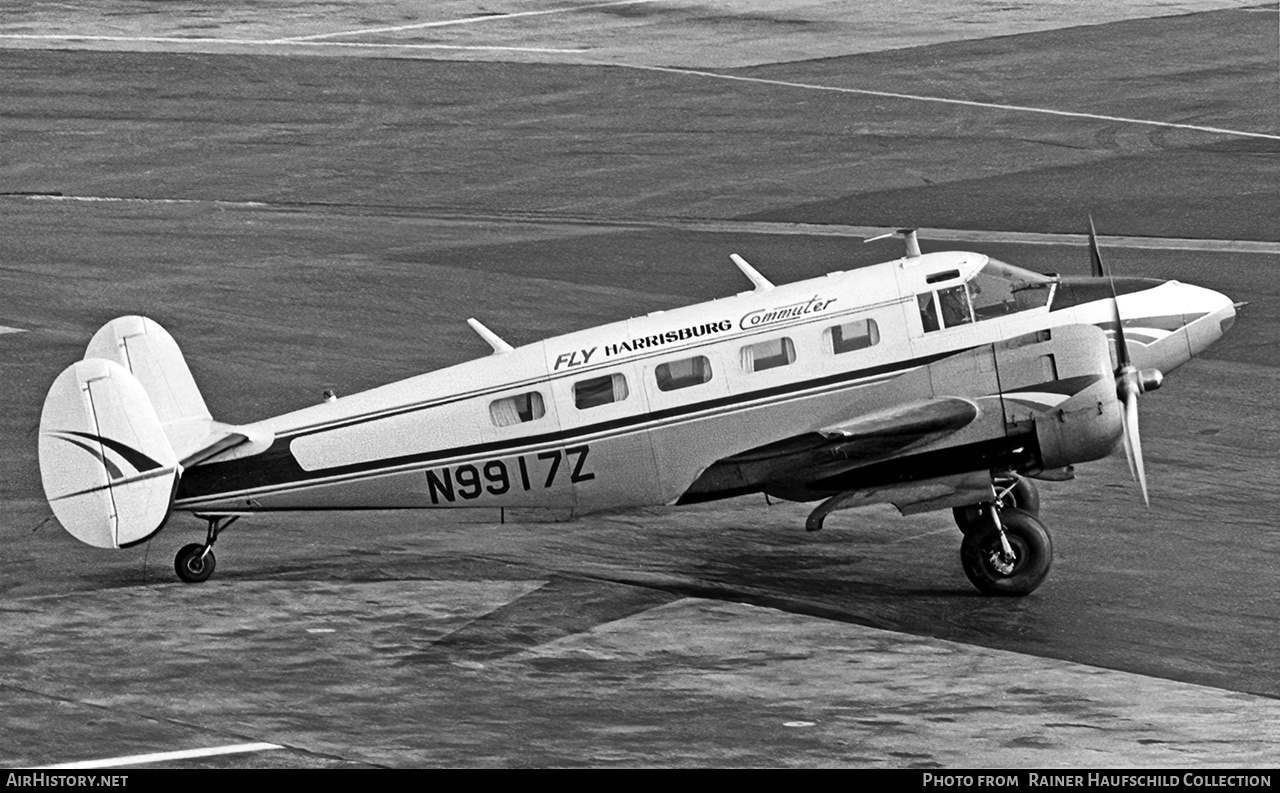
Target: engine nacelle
1085	427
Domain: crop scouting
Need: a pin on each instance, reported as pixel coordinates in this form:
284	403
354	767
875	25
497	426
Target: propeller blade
1122	347
1128	379
1133	443
1095	259
1128	446
1129	382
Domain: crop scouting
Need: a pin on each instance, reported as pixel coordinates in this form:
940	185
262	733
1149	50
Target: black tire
980	555
193	565
1023	496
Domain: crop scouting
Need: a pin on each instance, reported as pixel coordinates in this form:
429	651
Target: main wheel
1023	495
193	565
986	565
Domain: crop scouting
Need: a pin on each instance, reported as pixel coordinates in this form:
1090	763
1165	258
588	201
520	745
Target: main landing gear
195	562
1006	549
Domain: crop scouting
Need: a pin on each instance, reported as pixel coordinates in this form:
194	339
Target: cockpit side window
928	312
955	306
999	289
952	302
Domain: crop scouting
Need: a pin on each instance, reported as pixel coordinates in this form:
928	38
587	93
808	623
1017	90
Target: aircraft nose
1210	315
1173	322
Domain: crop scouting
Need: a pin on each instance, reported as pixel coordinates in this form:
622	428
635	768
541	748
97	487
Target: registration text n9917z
498	477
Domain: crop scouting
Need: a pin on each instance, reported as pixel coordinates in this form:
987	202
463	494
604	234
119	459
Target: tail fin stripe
135	458
113	472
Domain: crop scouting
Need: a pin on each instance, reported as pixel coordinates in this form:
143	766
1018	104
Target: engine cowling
1085	427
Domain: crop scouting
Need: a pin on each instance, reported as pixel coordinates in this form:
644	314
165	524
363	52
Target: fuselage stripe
195	490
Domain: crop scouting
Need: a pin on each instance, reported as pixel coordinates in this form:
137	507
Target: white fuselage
631	413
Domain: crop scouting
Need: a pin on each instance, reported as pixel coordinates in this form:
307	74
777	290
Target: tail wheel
1019	569
1020	493
193	565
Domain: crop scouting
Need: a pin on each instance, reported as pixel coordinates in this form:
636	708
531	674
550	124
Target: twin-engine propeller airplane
933	381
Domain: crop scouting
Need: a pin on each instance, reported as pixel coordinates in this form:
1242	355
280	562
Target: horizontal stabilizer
225	442
108	469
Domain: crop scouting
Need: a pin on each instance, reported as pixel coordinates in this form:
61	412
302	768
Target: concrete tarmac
302	222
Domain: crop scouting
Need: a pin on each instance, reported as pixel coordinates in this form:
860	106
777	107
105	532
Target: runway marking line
4	330
461	21
945	100
160	757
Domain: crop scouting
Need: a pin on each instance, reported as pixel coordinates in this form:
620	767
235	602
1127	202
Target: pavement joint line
277	42
161	757
726	226
460	21
155	39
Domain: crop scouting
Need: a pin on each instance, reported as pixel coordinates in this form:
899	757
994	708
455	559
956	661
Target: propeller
1129	381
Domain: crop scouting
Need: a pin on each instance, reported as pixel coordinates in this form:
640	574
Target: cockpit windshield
999	289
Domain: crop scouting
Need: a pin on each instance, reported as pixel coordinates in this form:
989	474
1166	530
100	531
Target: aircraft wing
952	415
913	421
785	466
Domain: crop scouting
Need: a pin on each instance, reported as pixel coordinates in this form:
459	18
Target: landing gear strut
1011	491
195	562
1008	552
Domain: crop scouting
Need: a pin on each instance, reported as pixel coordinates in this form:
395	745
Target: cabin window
768	355
675	375
517	409
856	335
600	391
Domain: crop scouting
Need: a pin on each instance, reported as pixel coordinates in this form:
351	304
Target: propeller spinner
1129	380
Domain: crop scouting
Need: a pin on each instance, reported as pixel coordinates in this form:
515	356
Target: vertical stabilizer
107	467
151	355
